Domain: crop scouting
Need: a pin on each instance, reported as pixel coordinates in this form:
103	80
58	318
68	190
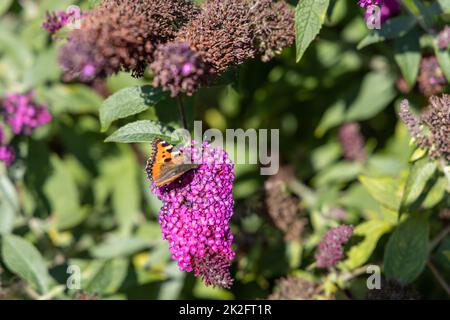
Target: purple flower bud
330	248
196	212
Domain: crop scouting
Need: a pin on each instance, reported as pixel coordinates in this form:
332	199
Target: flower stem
439	278
182	111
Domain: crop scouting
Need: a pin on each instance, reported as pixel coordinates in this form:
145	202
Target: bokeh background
75	200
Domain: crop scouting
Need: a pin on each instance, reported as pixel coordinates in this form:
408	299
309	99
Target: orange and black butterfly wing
164	166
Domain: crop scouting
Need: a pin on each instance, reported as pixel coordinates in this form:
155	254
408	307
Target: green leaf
436	193
4	6
407	55
340	172
333	116
9	204
377	91
407	250
62	191
142	131
371	231
443	57
309	18
419	175
393	28
384	190
127	102
119	247
126	194
98	276
23	259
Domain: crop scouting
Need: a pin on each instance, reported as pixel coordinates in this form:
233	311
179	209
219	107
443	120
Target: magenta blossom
7	155
56	20
23	115
195	215
388	8
330	248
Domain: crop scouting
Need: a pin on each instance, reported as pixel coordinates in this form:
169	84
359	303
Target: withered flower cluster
393	290
122	35
184	44
282	207
227	33
430	130
431	79
294	288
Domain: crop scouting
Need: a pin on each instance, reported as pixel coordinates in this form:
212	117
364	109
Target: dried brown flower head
282	207
273	24
122	35
437	119
293	288
221	33
393	290
431	79
177	68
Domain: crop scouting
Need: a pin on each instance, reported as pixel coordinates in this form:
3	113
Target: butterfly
165	164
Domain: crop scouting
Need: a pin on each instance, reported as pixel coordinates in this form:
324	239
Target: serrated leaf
127	102
23	259
142	131
419	174
372	232
384	190
392	28
407	55
407	250
309	18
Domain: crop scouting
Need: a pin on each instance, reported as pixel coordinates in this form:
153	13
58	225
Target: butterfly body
165	165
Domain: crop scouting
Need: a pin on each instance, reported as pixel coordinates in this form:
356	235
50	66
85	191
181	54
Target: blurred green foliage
72	199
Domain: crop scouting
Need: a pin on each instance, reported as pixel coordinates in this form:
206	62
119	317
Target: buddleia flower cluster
393	290
196	212
282	207
431	129
227	33
330	249
294	288
184	44
352	142
122	35
23	115
431	78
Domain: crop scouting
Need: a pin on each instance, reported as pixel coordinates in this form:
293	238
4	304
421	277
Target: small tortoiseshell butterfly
165	165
